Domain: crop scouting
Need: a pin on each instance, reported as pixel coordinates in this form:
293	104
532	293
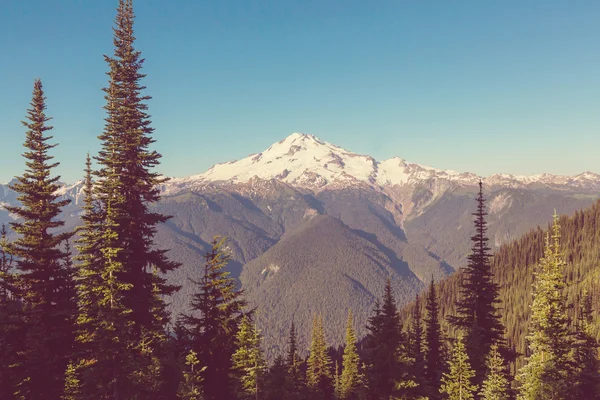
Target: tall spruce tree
44	286
477	308
457	384
318	373
386	351
125	168
433	352
495	385
352	380
217	309
548	371
249	364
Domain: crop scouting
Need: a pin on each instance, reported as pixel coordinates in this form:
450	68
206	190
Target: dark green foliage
416	351
125	164
386	353
434	361
586	354
44	283
477	308
277	385
11	326
210	331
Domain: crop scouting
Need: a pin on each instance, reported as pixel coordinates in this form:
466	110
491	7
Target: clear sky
479	86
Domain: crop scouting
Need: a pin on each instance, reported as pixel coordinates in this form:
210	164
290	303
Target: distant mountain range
314	228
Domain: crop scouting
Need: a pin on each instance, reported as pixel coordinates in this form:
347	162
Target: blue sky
479	86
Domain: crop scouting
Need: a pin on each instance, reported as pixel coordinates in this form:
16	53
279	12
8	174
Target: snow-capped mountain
305	161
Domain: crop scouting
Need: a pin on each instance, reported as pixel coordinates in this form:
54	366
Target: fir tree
351	381
433	344
44	281
477	308
337	388
547	370
210	330
318	373
125	169
496	385
191	385
249	364
386	352
457	384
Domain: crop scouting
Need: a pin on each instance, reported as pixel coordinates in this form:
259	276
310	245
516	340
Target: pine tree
210	330
318	373
433	344
125	164
386	352
249	364
44	287
547	370
586	353
495	385
191	385
477	308
457	384
351	381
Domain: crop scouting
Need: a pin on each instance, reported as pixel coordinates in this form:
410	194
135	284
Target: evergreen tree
296	382
586	353
351	381
72	389
386	352
337	388
318	373
126	180
457	384
249	364
477	308
547	372
415	340
277	385
191	385
211	328
44	281
433	344
496	385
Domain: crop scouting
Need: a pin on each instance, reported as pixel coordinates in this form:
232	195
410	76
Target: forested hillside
514	264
